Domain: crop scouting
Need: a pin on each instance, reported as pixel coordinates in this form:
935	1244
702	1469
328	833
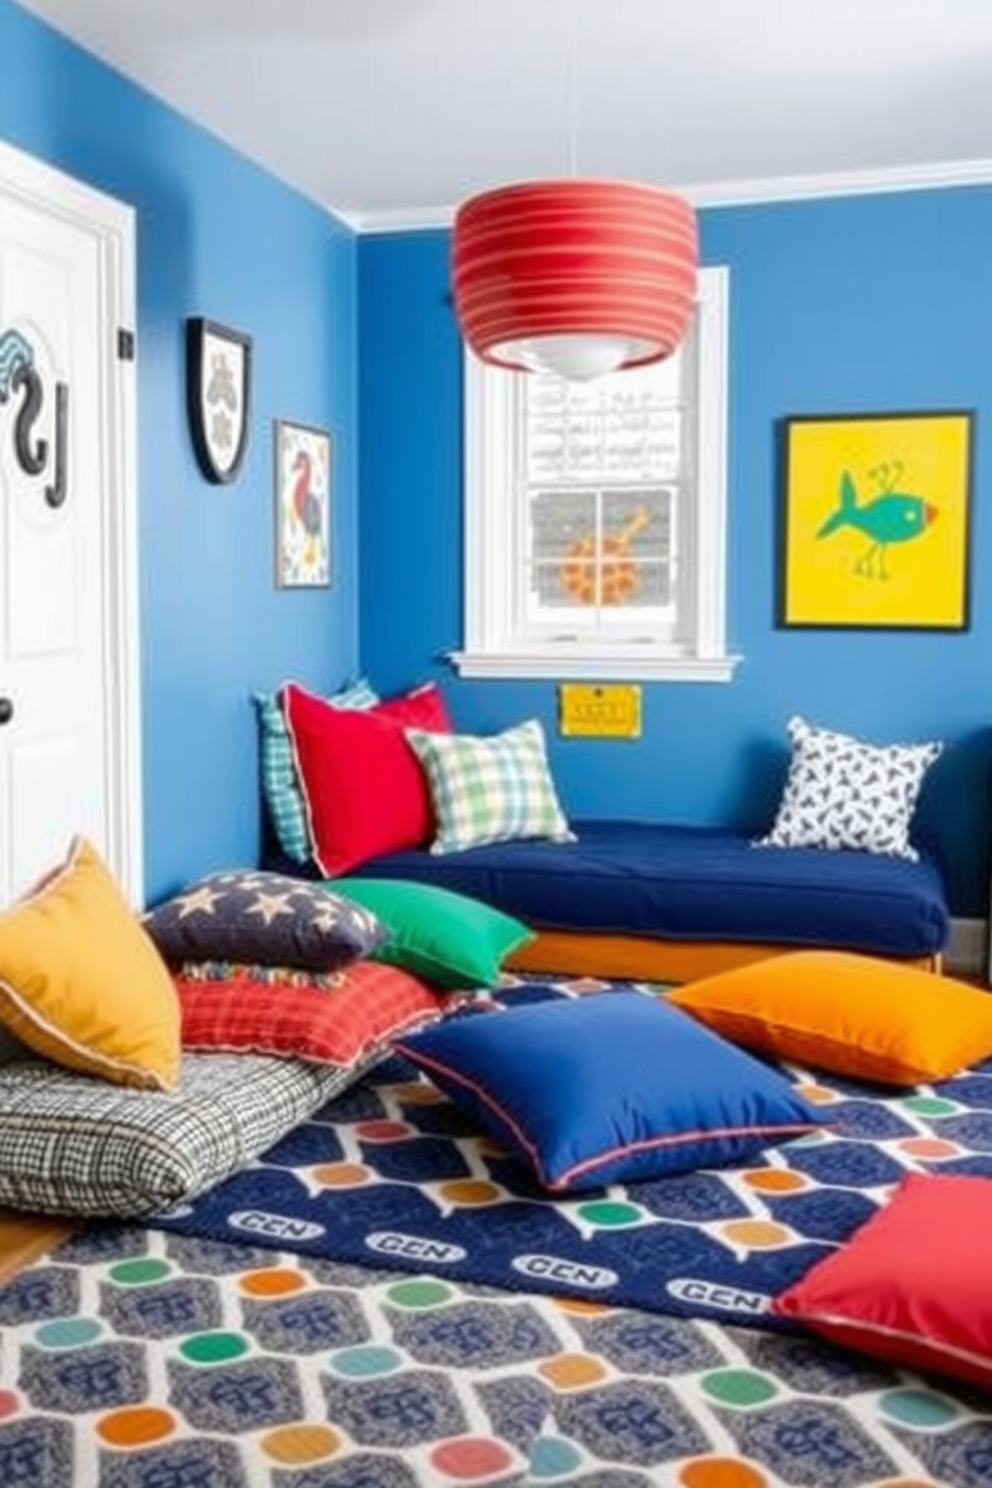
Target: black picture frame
874	531
218	396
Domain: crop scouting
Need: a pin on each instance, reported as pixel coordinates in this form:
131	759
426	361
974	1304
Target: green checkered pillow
279	787
490	790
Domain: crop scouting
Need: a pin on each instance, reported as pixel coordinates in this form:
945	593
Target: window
595	526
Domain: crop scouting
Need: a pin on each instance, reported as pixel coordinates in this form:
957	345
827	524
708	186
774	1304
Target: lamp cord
573	87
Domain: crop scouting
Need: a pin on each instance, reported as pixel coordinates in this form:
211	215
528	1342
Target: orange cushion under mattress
641	960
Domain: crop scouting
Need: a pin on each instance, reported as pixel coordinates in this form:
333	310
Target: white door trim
111	224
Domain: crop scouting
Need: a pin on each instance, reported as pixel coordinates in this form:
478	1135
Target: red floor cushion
914	1284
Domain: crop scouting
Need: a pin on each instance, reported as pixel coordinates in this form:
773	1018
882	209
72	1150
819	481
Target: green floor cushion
449	939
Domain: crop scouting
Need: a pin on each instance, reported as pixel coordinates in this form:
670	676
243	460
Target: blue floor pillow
608	1088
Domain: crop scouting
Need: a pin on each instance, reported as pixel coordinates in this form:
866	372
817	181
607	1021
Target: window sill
627	666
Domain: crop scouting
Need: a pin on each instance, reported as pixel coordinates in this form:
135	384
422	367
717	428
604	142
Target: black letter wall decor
19	375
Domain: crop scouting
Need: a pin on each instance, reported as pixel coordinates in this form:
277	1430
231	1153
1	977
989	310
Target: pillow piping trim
900	1335
49	881
143	1078
601	1159
650	1144
301	778
379	1044
875	1064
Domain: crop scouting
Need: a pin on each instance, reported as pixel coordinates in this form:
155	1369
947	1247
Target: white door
68	648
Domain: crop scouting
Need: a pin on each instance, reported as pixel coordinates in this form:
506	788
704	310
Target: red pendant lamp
576	277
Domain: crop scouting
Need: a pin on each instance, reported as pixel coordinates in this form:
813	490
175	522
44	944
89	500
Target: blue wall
861	303
217	236
855	304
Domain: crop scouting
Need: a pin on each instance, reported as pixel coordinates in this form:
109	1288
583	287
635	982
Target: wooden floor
23	1238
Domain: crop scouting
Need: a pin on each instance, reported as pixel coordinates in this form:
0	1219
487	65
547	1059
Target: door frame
111	224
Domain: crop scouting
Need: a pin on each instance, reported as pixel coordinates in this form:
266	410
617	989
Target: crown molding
766	192
401	219
843	183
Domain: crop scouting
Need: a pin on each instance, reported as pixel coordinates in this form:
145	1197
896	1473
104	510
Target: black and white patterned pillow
70	1144
267	919
842	793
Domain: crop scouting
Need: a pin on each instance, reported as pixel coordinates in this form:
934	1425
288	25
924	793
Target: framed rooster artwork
303	500
876	520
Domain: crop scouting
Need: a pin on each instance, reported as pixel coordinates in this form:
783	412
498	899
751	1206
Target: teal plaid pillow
279	788
490	790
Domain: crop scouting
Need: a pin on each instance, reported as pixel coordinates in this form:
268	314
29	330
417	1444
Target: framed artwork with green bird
876	519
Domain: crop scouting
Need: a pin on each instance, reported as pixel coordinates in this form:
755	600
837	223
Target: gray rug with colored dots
150	1357
140	1359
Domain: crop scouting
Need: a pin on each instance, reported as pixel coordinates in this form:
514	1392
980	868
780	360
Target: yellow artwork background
927	583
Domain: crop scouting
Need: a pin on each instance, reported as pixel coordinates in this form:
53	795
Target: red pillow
913	1284
426	701
340	1018
364	789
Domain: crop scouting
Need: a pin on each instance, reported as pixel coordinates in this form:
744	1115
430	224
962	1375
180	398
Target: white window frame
493	565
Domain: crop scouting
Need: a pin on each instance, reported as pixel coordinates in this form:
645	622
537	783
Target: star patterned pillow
265	919
843	793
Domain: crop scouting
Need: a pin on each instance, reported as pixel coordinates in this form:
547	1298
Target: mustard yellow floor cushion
82	983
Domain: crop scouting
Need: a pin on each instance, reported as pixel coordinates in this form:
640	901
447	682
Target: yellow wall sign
593	712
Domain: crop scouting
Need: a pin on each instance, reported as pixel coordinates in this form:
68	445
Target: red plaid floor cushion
337	1018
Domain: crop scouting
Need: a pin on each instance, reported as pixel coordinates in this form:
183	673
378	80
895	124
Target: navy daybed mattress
695	883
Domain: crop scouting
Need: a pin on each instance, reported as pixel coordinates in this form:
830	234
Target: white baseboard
966	954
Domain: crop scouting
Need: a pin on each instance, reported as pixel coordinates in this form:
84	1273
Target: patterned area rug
138	1359
392	1174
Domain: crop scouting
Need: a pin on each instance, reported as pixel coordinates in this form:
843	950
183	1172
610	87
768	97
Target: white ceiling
391	111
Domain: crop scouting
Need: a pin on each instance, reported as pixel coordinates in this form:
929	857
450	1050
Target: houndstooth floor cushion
72	1144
